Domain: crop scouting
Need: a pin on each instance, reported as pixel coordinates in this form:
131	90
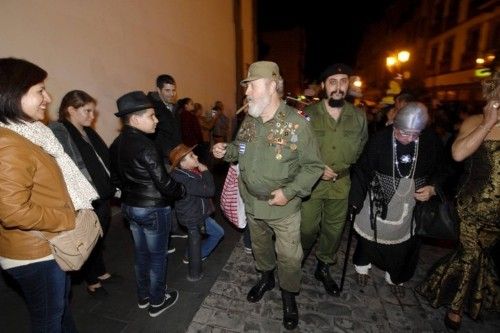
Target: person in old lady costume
400	165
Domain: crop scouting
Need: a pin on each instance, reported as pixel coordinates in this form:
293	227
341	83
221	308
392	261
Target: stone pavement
217	303
370	309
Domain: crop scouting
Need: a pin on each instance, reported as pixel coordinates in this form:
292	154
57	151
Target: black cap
132	102
335	69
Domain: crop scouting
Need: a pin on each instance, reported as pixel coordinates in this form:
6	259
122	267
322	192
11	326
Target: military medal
294	138
241	148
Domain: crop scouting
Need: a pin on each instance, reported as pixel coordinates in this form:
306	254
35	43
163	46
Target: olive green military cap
262	70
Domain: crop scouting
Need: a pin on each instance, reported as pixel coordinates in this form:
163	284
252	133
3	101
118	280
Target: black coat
138	170
168	129
193	209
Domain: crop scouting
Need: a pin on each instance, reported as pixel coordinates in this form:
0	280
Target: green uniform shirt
280	153
340	143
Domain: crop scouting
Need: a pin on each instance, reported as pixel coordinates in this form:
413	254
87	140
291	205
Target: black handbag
436	218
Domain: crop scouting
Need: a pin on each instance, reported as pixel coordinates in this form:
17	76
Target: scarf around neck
80	190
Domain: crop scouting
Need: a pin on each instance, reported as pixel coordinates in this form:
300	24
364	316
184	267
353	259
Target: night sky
335	25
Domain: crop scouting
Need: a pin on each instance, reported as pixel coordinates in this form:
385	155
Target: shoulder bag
231	202
436	218
71	248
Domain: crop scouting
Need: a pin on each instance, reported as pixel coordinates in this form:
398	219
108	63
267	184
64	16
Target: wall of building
111	47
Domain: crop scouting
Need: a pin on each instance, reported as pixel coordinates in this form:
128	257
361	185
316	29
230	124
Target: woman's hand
424	193
490	112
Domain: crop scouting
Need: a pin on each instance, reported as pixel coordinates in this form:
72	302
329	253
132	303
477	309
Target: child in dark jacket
193	211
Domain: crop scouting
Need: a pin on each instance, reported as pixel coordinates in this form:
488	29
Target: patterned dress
466	278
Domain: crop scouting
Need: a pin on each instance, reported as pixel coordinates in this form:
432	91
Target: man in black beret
341	131
147	193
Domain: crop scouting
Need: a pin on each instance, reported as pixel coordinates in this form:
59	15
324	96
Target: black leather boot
323	274
265	283
290	311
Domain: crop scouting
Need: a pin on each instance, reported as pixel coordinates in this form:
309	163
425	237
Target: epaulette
304	114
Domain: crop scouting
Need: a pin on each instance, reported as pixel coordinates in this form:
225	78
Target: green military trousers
285	252
323	220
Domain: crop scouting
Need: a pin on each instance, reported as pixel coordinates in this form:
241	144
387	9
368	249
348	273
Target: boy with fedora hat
193	211
138	170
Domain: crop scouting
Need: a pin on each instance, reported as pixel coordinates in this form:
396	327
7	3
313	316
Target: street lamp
395	62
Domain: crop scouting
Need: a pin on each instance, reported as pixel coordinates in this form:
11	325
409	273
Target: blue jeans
46	291
150	227
214	233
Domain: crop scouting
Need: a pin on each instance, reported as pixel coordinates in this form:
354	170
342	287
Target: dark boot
265	283
323	274
290	311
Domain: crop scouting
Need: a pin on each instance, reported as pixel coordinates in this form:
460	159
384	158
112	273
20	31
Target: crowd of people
301	174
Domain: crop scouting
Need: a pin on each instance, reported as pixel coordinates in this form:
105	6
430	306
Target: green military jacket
280	153
340	143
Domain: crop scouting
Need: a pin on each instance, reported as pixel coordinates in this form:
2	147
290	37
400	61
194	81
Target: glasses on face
408	134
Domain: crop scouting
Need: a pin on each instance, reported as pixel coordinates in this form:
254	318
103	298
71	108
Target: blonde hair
491	87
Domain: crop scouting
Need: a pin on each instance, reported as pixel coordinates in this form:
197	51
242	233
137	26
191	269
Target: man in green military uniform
279	163
341	131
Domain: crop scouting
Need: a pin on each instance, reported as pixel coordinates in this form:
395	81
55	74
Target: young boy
138	170
193	211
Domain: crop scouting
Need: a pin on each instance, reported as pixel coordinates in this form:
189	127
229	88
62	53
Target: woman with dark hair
89	152
40	191
465	280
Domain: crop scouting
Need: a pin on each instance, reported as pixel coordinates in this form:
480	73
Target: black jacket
168	129
138	170
193	209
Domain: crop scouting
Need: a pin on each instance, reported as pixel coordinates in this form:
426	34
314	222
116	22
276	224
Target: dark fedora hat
132	102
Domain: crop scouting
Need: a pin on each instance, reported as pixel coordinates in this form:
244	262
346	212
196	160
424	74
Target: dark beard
336	103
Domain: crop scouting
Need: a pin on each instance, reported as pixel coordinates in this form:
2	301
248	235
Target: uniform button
333	147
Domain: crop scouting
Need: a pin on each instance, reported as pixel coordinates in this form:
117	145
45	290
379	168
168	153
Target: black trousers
94	266
399	260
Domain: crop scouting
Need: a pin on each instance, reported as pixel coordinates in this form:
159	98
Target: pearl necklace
395	166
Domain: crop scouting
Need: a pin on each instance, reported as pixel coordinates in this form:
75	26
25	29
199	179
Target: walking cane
350	219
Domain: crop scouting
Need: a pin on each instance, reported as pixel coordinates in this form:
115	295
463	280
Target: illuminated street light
403	56
390	61
395	62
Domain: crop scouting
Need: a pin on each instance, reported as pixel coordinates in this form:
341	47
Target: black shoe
323	274
290	311
143	303
265	283
114	278
99	292
171	298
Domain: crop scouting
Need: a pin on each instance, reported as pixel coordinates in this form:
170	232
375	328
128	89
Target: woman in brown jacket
40	190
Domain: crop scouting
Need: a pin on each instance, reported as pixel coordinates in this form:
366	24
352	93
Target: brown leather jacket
33	196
